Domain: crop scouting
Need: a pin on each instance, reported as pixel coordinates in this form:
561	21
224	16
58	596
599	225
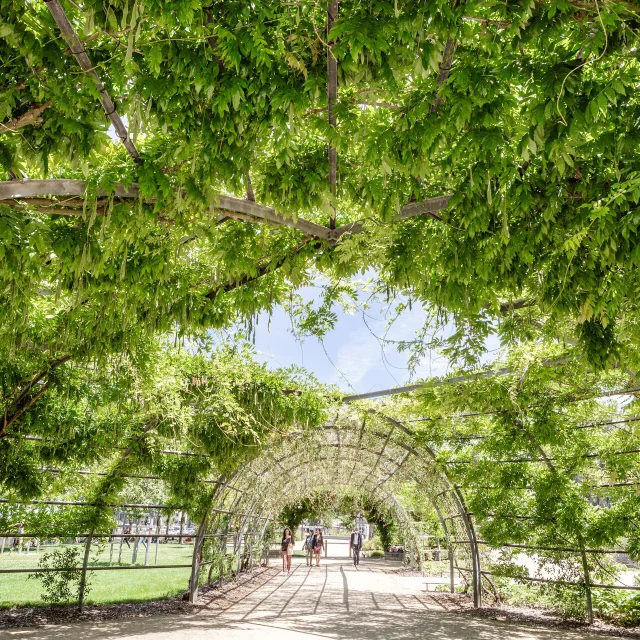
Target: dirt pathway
335	601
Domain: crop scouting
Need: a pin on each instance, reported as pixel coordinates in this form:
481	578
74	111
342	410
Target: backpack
308	543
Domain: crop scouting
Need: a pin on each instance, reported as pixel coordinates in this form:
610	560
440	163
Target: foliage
345	503
117	418
538	145
60	581
630	610
373	544
385	526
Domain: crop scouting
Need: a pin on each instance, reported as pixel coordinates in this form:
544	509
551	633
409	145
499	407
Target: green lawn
106	586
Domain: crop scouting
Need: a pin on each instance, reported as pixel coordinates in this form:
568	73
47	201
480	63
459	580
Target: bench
435	581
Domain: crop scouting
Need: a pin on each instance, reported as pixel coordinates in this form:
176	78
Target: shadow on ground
333	601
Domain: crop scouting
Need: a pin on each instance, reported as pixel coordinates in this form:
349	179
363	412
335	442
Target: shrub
376	554
62	585
372	544
617	606
631	611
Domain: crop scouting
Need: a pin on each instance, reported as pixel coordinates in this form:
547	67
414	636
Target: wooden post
121	543
474	551
452	579
326	546
136	542
237	544
477	577
181	528
157	539
146	550
195	562
111	547
83	575
587	585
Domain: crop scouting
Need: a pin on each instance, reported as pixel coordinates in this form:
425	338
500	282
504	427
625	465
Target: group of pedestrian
313	546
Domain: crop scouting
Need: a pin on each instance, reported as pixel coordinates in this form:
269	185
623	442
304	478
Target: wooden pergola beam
77	49
444	71
410	210
62	188
332	96
26	190
32	117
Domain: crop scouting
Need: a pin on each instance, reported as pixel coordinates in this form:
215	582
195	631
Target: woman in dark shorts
318	543
286	550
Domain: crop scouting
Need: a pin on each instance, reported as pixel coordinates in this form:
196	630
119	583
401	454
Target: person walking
286	550
318	544
355	543
308	547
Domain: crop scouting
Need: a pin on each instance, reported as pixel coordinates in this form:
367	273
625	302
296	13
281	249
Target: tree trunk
83	577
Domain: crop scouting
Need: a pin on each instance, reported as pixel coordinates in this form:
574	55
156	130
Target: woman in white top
286	550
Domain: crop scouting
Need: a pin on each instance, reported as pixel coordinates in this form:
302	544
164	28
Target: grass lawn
106	586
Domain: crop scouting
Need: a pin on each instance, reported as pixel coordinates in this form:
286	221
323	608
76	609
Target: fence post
157	539
452	580
195	562
121	543
181	528
587	585
146	550
326	546
111	547
83	575
238	544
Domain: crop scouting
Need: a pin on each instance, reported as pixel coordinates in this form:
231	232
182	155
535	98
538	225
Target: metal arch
455	492
424	453
353	458
432	499
387	497
459	498
397	507
407	448
401	514
197	543
357	462
278	461
303	459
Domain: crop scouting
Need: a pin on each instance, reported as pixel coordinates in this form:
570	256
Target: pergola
481	159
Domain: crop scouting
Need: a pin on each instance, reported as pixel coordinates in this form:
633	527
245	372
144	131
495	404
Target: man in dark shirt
356	544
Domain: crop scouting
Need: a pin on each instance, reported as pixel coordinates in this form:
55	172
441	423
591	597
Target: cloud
361	353
356	357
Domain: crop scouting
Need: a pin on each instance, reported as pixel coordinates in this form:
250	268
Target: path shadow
308	604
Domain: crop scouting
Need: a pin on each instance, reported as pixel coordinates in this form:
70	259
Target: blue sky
350	356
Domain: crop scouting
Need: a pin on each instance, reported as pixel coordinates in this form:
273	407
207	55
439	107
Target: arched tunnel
371	454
